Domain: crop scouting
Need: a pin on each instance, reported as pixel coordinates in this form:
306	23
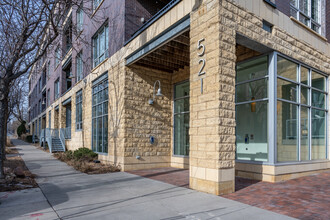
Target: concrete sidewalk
75	195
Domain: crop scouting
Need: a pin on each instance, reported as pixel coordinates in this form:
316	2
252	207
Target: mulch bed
86	166
18	176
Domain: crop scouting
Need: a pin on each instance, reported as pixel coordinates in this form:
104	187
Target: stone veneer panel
212	112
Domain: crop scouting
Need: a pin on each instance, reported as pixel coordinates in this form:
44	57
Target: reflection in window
286	68
300	111
181	119
304	133
287	90
251	117
318	135
100	117
252	69
318	81
251	131
287	132
308	12
289	107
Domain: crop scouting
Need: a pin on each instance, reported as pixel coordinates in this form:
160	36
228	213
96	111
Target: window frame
96	4
98	55
272	111
179	113
79	63
79	109
308	16
80	18
101	80
57	88
58	56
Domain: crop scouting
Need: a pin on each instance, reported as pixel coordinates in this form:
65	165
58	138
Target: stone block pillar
212	102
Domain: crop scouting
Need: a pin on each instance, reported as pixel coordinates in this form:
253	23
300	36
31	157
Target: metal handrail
62	137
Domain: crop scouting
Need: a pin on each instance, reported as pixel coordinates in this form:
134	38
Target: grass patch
83	161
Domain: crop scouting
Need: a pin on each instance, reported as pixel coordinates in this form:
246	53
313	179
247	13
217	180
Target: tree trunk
4	91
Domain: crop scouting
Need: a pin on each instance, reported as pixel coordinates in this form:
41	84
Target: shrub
29	138
21	129
69	154
84	153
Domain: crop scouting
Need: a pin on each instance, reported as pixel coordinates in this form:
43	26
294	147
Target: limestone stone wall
144	120
212	112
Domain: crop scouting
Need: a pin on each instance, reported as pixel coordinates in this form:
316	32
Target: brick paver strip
302	198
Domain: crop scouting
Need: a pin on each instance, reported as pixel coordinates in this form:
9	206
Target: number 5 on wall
201	46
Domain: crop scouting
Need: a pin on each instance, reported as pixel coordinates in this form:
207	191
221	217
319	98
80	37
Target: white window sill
308	28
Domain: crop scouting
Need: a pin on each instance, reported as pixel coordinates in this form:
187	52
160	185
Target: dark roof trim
167	35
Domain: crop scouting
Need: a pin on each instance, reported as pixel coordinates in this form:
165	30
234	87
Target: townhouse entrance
164	68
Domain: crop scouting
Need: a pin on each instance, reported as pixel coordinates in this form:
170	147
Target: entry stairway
54	138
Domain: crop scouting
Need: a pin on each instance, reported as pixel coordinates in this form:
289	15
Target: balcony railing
153	19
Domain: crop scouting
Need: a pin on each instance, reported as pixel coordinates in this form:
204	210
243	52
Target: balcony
169	4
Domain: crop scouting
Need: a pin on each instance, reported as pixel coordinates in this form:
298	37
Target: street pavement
68	194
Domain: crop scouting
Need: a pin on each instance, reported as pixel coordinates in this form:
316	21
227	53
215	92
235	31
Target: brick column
212	111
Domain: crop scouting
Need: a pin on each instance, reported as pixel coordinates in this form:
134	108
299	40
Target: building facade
223	88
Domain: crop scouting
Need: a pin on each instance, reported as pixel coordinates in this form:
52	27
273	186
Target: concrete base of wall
280	172
217	188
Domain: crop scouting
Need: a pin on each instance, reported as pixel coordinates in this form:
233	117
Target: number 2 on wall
201	46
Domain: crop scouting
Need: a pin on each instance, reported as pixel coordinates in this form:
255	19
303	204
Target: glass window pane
105	108
287	132
315	10
318	81
105	134
252	90
304	96
294	2
293	12
286	68
286	90
99	134
182	90
99	110
181	105
304	129
304	75
181	134
318	135
315	27
181	121
303	6
251	131
252	69
318	99
303	19
94	135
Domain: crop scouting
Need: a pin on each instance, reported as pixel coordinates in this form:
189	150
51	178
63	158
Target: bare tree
18	100
27	29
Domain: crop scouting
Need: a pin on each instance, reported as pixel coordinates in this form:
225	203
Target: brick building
220	87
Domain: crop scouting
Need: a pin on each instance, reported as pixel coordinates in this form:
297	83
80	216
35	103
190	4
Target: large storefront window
289	102
181	119
301	129
100	117
251	110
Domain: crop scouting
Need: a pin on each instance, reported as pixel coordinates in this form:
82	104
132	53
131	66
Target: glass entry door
181	119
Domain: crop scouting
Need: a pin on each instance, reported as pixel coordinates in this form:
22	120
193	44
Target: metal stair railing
62	137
